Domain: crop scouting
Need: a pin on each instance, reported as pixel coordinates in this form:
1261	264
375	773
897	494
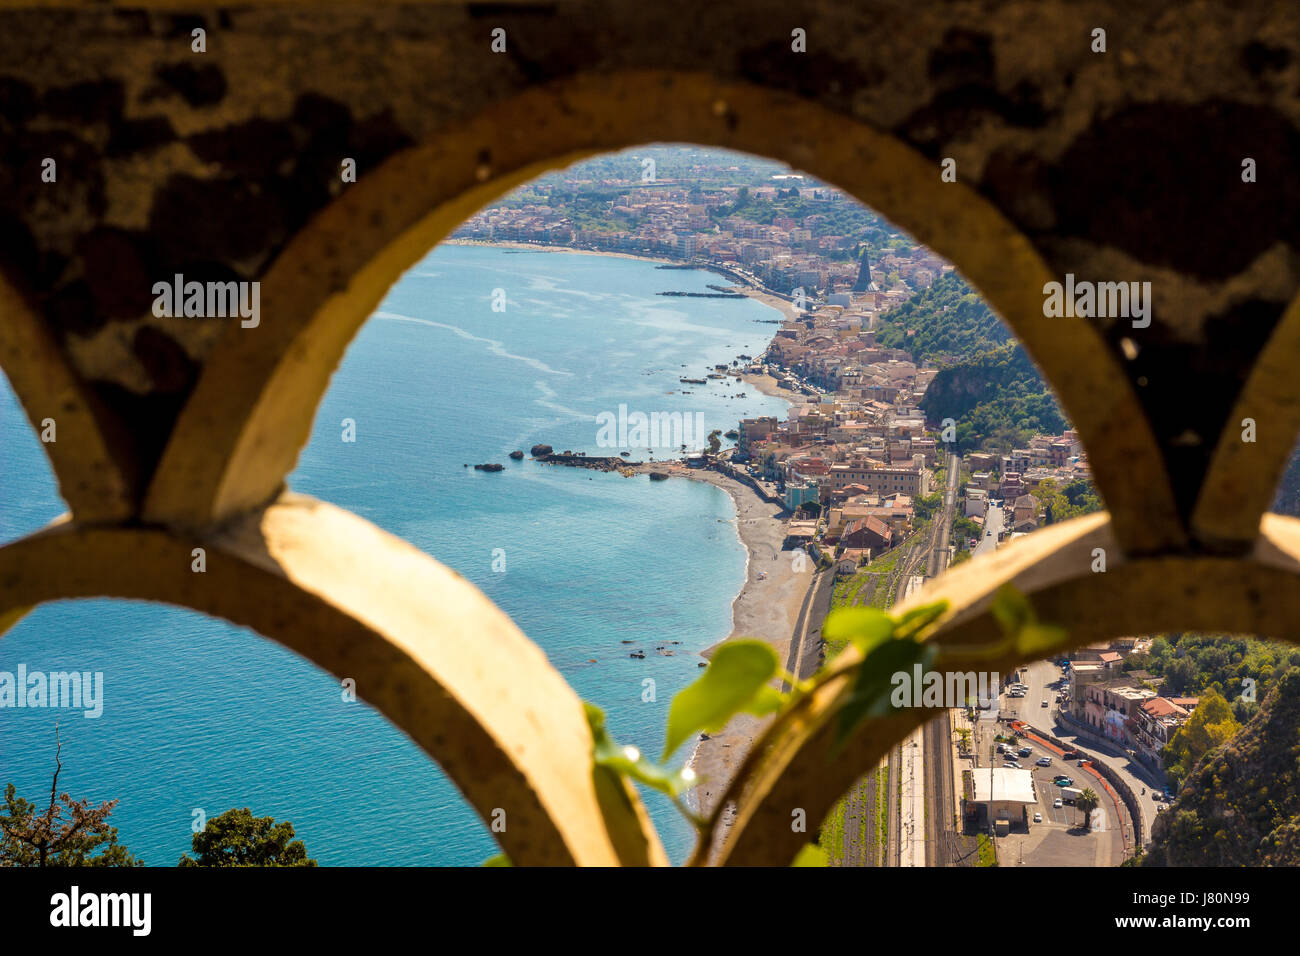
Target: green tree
237	838
1211	725
1087	802
68	833
925	506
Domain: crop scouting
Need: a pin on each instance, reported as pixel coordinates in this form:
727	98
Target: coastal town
880	494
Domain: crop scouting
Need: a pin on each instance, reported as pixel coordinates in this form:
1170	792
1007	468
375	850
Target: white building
1003	795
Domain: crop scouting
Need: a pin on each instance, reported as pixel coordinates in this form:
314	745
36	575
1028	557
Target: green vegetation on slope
946	323
1240	805
1193	664
1211	725
987	383
997	399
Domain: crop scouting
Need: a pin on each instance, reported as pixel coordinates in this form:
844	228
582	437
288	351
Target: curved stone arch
1257	594
94	482
251	412
1232	498
424	646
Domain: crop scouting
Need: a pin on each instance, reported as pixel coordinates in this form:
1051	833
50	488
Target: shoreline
772	593
766	608
787	309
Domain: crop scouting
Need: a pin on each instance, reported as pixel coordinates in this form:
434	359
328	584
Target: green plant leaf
811	855
629	762
499	860
736	681
915	621
871	690
864	627
1011	610
1040	639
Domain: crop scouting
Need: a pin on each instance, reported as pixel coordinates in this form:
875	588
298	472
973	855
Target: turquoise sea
199	714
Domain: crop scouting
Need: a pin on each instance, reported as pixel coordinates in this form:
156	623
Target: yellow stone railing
441	661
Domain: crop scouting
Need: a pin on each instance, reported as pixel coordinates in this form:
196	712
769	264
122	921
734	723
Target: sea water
199	715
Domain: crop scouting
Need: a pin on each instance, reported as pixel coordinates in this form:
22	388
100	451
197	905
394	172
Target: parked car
1044	701
1063	781
1070	755
1044	761
1056	804
1011	764
1024	751
1081	763
1038	818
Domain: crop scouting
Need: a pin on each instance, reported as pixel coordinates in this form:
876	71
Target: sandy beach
776	581
767	608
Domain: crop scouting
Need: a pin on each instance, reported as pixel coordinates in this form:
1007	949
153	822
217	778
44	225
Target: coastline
766	607
787	309
768	603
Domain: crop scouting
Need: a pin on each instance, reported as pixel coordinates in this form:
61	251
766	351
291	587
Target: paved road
1041	673
1059	839
993	521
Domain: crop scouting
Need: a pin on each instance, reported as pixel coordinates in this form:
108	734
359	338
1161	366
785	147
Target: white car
1044	703
1056	804
1044	761
1038	818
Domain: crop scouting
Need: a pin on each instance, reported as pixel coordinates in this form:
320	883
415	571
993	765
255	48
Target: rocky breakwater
549	456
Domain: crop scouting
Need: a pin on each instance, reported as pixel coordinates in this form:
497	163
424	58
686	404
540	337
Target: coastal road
1137	776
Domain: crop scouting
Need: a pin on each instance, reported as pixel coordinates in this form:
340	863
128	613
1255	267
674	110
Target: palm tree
1087	802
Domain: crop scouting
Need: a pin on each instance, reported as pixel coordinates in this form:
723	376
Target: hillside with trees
946	323
1240	803
987	383
997	399
1227	664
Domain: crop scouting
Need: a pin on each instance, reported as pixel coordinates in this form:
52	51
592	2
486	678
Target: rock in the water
516	456
541	451
489	467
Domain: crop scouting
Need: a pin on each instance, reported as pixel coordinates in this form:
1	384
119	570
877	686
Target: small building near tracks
1001	796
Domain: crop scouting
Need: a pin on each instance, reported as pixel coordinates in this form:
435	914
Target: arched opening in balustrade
357	419
270	388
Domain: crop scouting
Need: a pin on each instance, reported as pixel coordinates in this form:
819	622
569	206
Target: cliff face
1241	803
997	394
